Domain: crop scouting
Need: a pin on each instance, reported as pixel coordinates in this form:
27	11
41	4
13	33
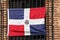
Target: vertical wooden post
4	18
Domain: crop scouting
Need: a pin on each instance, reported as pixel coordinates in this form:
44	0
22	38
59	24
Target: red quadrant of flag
36	13
16	30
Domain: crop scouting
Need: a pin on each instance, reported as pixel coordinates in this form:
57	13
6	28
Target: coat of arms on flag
26	21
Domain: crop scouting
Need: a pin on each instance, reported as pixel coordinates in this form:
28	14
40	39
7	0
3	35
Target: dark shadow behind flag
27	4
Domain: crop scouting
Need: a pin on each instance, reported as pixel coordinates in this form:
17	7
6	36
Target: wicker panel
3	21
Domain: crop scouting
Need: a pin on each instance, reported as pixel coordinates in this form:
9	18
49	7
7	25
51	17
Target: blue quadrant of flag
37	29
16	13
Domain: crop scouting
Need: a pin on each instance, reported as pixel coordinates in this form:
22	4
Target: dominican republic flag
26	21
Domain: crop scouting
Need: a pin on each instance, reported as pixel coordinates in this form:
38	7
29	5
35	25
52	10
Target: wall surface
56	19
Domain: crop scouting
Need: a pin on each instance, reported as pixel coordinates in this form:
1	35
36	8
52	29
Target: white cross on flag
26	21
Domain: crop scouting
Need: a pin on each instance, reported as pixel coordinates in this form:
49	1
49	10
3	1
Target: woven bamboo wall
3	22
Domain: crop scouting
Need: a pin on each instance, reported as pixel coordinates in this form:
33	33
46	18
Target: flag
26	21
